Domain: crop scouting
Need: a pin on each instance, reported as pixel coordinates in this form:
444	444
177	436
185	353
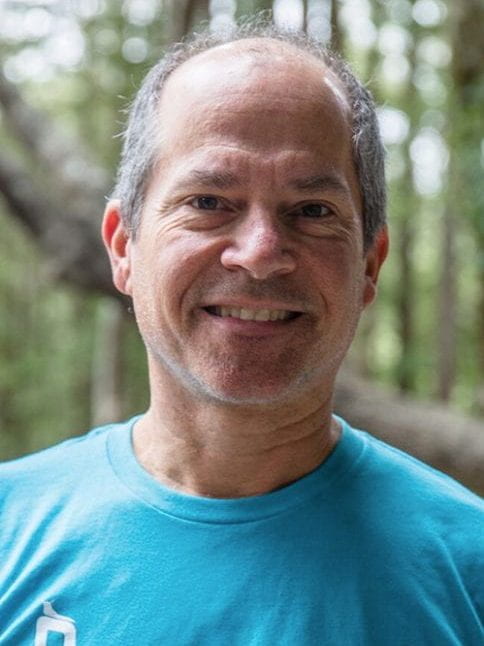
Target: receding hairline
256	48
257	45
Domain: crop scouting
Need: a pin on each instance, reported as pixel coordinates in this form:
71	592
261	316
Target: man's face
247	274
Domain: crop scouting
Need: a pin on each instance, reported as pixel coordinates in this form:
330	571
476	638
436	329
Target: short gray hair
141	140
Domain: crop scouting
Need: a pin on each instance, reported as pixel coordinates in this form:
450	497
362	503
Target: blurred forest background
70	357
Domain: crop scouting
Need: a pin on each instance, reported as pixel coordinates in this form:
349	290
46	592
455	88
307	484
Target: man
247	226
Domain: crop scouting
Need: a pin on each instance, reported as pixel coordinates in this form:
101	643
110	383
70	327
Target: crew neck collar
228	510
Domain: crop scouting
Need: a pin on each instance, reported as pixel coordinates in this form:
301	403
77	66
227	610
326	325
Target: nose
260	245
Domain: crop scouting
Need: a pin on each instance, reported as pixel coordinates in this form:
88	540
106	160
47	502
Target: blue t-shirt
373	548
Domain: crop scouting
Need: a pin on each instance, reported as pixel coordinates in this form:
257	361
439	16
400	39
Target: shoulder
52	457
426	521
59	468
413	480
41	493
411	503
416	528
394	493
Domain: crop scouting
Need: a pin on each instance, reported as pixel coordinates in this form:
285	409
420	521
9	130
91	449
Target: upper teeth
252	315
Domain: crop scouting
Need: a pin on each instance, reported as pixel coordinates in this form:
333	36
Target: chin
251	392
228	383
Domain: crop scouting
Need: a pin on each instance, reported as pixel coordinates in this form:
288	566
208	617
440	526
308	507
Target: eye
206	203
314	210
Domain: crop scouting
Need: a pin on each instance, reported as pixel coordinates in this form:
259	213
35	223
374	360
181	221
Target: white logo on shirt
52	622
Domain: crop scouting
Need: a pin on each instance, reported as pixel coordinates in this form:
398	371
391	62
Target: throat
252	464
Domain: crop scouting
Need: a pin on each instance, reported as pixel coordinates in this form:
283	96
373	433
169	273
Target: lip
255	305
242	327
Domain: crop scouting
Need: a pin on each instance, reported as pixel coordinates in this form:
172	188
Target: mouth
246	314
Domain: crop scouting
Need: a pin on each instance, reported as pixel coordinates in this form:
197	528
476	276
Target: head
142	144
242	242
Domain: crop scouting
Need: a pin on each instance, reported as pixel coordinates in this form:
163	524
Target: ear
374	259
117	241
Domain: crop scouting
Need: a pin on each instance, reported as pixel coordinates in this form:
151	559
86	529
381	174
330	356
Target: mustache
277	288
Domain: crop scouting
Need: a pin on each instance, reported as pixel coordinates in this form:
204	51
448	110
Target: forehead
258	64
255	87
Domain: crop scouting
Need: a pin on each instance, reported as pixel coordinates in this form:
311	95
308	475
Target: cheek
340	278
335	262
165	271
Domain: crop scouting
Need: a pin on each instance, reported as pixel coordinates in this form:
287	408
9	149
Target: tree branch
50	148
432	432
69	238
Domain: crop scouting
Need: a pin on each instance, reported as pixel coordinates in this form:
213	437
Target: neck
219	450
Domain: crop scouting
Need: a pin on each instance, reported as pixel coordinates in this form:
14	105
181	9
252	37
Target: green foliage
46	345
48	331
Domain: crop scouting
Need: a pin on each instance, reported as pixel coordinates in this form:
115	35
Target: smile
246	314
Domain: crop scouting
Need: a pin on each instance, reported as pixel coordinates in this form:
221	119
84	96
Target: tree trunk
467	155
336	34
197	12
405	226
106	364
447	324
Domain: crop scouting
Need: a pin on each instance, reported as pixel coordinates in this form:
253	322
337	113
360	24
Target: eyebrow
224	179
212	179
319	183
